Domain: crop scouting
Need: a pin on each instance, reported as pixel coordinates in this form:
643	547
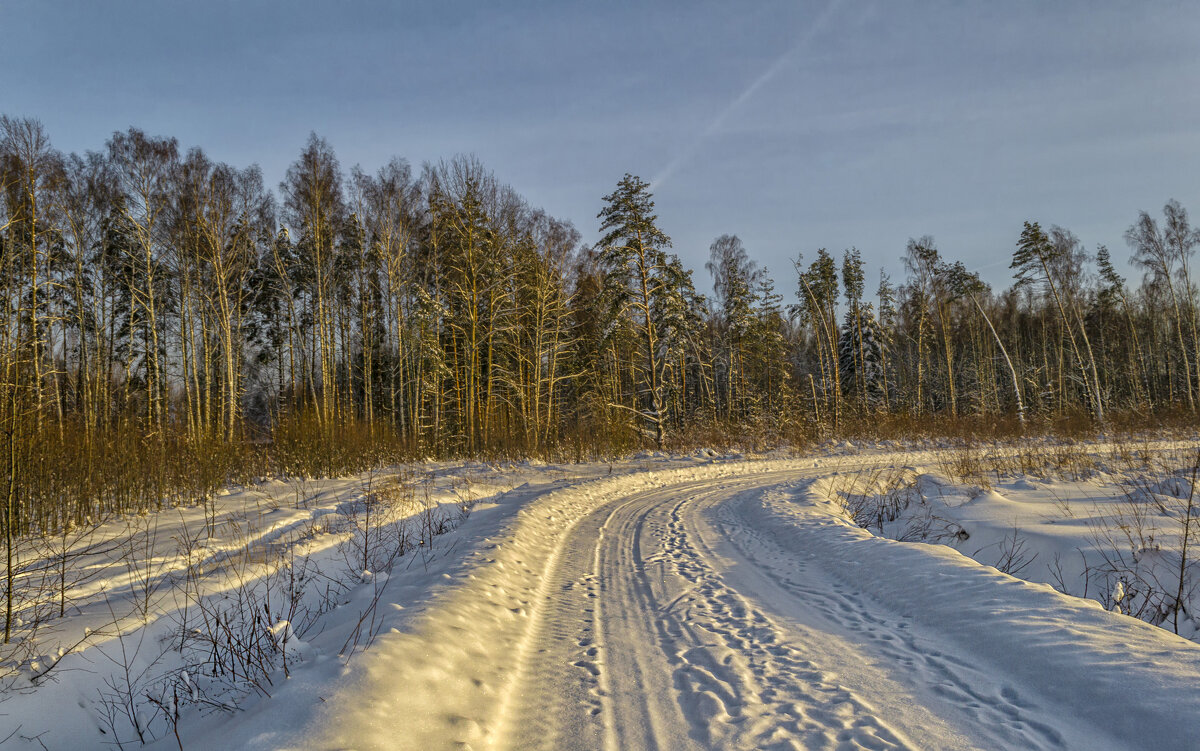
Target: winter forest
174	323
571	376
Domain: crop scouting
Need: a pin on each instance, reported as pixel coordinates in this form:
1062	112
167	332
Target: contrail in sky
690	149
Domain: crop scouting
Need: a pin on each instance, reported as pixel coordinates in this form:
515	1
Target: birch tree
313	206
1034	261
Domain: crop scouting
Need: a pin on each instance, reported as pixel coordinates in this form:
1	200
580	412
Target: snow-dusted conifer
860	358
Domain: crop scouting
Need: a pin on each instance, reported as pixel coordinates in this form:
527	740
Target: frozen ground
700	601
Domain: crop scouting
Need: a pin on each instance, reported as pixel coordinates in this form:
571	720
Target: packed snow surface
660	602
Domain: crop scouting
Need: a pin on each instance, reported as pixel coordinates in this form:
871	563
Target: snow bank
1140	682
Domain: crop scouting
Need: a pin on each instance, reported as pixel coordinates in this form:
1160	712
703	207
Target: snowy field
696	601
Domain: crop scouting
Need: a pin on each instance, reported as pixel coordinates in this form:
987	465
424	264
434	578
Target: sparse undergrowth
200	608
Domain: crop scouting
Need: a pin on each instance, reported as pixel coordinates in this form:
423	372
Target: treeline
173	322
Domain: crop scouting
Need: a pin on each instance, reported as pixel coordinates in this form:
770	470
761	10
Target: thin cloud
689	151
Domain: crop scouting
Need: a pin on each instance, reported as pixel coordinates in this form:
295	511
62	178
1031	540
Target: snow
1112	533
701	601
1134	681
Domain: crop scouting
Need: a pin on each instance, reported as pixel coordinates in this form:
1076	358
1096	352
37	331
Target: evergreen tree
636	266
767	348
818	291
860	358
964	283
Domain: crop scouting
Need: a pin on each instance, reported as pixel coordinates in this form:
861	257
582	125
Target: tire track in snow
688	661
556	706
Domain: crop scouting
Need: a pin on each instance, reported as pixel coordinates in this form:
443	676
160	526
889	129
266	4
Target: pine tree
767	348
635	264
818	290
1111	294
860	358
852	285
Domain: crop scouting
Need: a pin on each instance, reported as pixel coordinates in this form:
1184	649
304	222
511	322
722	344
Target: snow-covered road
650	643
725	606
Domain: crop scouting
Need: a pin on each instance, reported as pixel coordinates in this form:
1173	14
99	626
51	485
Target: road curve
673	622
723	607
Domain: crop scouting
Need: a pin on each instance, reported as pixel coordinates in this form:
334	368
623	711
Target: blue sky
795	125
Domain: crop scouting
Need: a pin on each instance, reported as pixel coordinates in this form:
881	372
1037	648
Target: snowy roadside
356	612
1138	682
207	620
444	680
1112	523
